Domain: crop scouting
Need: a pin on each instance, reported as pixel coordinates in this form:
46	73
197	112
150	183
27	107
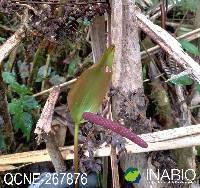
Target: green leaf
86	22
20	89
183	80
41	73
23	121
198	150
72	66
188	5
89	90
25	103
29	103
8	77
197	87
2	39
144	72
15	106
189	47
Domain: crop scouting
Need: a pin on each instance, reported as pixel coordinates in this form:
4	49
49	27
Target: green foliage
144	72
73	65
189	47
84	21
24	122
2	39
9	78
53	76
56	79
41	73
20	107
197	87
2	143
182	80
198	150
188	5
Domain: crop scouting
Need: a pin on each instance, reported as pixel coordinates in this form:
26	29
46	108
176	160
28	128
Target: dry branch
169	44
15	39
162	140
6	168
188	36
45	121
44	130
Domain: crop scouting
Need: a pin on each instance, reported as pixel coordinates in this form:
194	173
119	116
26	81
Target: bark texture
128	105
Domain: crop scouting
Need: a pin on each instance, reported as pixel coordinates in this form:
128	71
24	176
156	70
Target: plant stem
76	152
46	72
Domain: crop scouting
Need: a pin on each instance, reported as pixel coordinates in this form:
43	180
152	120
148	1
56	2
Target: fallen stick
162	140
169	44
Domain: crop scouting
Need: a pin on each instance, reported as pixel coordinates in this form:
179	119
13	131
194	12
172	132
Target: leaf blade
89	90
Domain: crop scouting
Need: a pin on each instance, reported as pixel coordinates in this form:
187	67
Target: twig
169	7
192	107
163	14
176	24
50	89
15	39
169	44
177	29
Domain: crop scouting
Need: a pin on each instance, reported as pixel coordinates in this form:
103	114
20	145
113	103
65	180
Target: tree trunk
128	105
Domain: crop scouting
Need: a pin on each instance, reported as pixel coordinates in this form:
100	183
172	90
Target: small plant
21	105
88	92
86	96
188	5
